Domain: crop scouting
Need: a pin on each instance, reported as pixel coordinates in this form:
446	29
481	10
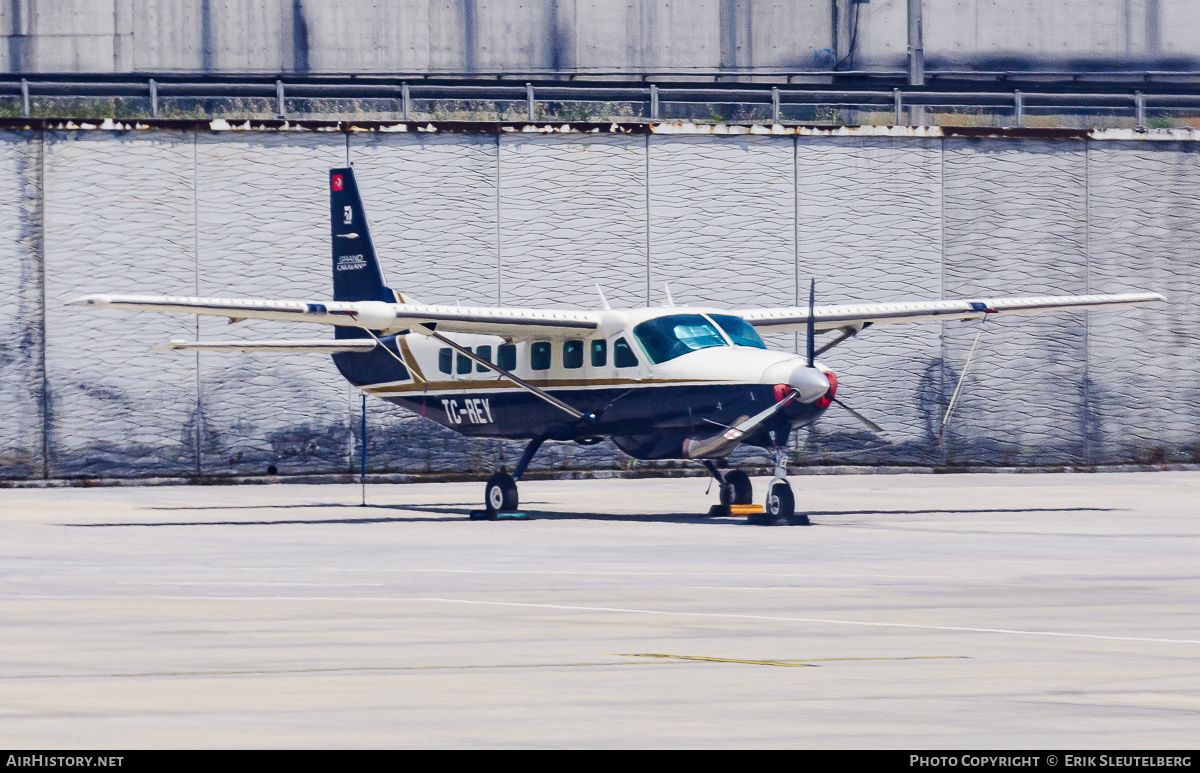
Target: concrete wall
490	35
538	220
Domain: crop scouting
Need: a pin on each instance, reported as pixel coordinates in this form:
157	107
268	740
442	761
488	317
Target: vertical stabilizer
356	272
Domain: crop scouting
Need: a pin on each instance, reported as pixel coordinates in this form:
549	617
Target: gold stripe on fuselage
480	385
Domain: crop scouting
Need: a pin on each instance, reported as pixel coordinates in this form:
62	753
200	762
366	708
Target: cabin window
506	356
666	338
464	364
572	354
445	360
599	353
623	356
539	355
741	332
485	353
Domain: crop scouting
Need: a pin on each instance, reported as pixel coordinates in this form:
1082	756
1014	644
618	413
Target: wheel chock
503	515
723	511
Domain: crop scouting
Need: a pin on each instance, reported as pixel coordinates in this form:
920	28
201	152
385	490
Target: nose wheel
781	502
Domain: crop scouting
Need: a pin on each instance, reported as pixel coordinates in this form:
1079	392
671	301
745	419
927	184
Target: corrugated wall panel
263	232
1144	364
573	216
1015	224
722	213
870	230
21	324
431	201
118	218
120	214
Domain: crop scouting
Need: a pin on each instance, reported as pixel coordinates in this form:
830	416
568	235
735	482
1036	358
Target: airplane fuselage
611	375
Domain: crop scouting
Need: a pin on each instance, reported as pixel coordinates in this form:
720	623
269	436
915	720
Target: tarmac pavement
919	611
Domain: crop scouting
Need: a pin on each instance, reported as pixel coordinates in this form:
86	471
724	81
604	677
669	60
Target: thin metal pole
1019	106
25	98
1139	102
405	101
774	104
363	455
653	102
899	102
529	100
279	99
153	98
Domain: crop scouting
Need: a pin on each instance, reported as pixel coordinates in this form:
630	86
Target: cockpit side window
666	338
741	332
623	356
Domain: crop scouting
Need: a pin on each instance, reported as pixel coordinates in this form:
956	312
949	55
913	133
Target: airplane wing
855	316
373	315
279	347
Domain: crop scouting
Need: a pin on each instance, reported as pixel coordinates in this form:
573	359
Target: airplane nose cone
809	382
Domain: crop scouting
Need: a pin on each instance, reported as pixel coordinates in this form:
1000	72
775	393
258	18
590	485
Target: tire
743	491
500	495
780	504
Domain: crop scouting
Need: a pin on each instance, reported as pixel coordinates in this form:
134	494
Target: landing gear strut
500	495
781	502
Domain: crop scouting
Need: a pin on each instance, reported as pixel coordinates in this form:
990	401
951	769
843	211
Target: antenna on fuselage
603	300
667	289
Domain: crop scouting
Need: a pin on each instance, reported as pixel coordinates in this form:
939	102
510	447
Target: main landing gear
500	498
735	489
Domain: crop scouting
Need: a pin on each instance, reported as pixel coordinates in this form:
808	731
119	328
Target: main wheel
500	494
781	503
737	489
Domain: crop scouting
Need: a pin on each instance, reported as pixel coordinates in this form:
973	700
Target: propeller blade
878	430
811	331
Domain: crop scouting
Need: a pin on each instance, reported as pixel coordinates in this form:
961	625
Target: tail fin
356	273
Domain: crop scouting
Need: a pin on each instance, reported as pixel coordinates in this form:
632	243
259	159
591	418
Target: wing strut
962	377
541	393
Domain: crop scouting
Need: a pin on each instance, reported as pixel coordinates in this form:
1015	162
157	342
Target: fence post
774	104
1139	103
529	100
153	99
25	98
279	99
653	102
1019	106
899	106
405	101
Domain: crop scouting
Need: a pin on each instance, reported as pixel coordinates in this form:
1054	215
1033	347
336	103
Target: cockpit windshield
739	330
666	338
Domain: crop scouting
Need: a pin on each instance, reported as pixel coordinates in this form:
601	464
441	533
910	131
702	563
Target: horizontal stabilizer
285	347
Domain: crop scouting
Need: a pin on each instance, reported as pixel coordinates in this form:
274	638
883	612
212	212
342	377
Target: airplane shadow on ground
542	515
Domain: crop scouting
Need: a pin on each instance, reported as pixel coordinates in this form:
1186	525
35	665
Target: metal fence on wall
482	215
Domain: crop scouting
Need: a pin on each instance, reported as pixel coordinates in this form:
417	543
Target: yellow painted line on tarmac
793	662
663	656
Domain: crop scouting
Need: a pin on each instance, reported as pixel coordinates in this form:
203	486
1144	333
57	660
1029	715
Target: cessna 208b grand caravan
661	383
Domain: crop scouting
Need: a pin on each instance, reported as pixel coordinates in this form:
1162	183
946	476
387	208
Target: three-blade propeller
810	335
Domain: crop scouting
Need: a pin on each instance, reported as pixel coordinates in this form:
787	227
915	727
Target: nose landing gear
781	502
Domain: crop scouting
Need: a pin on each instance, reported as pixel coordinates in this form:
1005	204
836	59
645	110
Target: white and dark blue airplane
661	383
